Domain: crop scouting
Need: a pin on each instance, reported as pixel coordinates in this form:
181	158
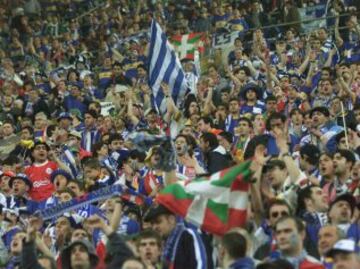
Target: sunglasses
277	214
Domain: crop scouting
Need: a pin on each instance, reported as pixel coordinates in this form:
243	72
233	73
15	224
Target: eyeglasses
281	214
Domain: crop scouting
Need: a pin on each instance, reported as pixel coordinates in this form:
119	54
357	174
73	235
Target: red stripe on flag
237	218
177	206
213	224
176	38
239	184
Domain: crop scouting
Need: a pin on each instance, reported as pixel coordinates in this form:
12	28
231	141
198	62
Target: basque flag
164	66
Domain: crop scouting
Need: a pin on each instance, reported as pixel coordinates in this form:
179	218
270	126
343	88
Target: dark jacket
217	159
243	263
29	257
116	248
184	248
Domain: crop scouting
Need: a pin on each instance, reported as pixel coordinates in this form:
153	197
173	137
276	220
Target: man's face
326	165
340	213
75	188
251	95
280	46
316	44
64	197
244	128
25	134
325	74
151	117
276	123
7	101
276	212
241	75
318	118
234	107
187	131
7	129
116	145
79	257
203	127
328	236
149	250
17	243
297	118
40	153
163	225
89	120
64	123
60	182
62	226
79	234
270	106
276	176
284	82
339	164
319	200
343	260
141	73
326	88
308	121
91	173
224	143
355	171
322	34
19	187
39	122
4	183
181	145
287	236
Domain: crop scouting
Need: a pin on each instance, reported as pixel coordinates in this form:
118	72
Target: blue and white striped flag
164	66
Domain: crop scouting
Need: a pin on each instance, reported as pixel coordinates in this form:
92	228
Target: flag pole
344	124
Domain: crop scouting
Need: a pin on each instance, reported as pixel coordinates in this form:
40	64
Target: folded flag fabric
164	66
185	45
216	203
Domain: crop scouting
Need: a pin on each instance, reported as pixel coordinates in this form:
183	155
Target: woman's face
259	121
72	76
193	108
104	150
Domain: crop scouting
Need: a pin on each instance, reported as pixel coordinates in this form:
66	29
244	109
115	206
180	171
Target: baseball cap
60	172
344	245
64	115
22	177
7	173
347	197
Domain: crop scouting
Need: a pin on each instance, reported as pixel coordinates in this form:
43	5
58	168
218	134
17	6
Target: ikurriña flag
216	203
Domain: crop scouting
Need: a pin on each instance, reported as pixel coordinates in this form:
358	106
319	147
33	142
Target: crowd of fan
287	99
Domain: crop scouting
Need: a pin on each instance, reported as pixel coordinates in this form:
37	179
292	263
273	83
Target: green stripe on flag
231	174
177	191
220	210
194	39
175	42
